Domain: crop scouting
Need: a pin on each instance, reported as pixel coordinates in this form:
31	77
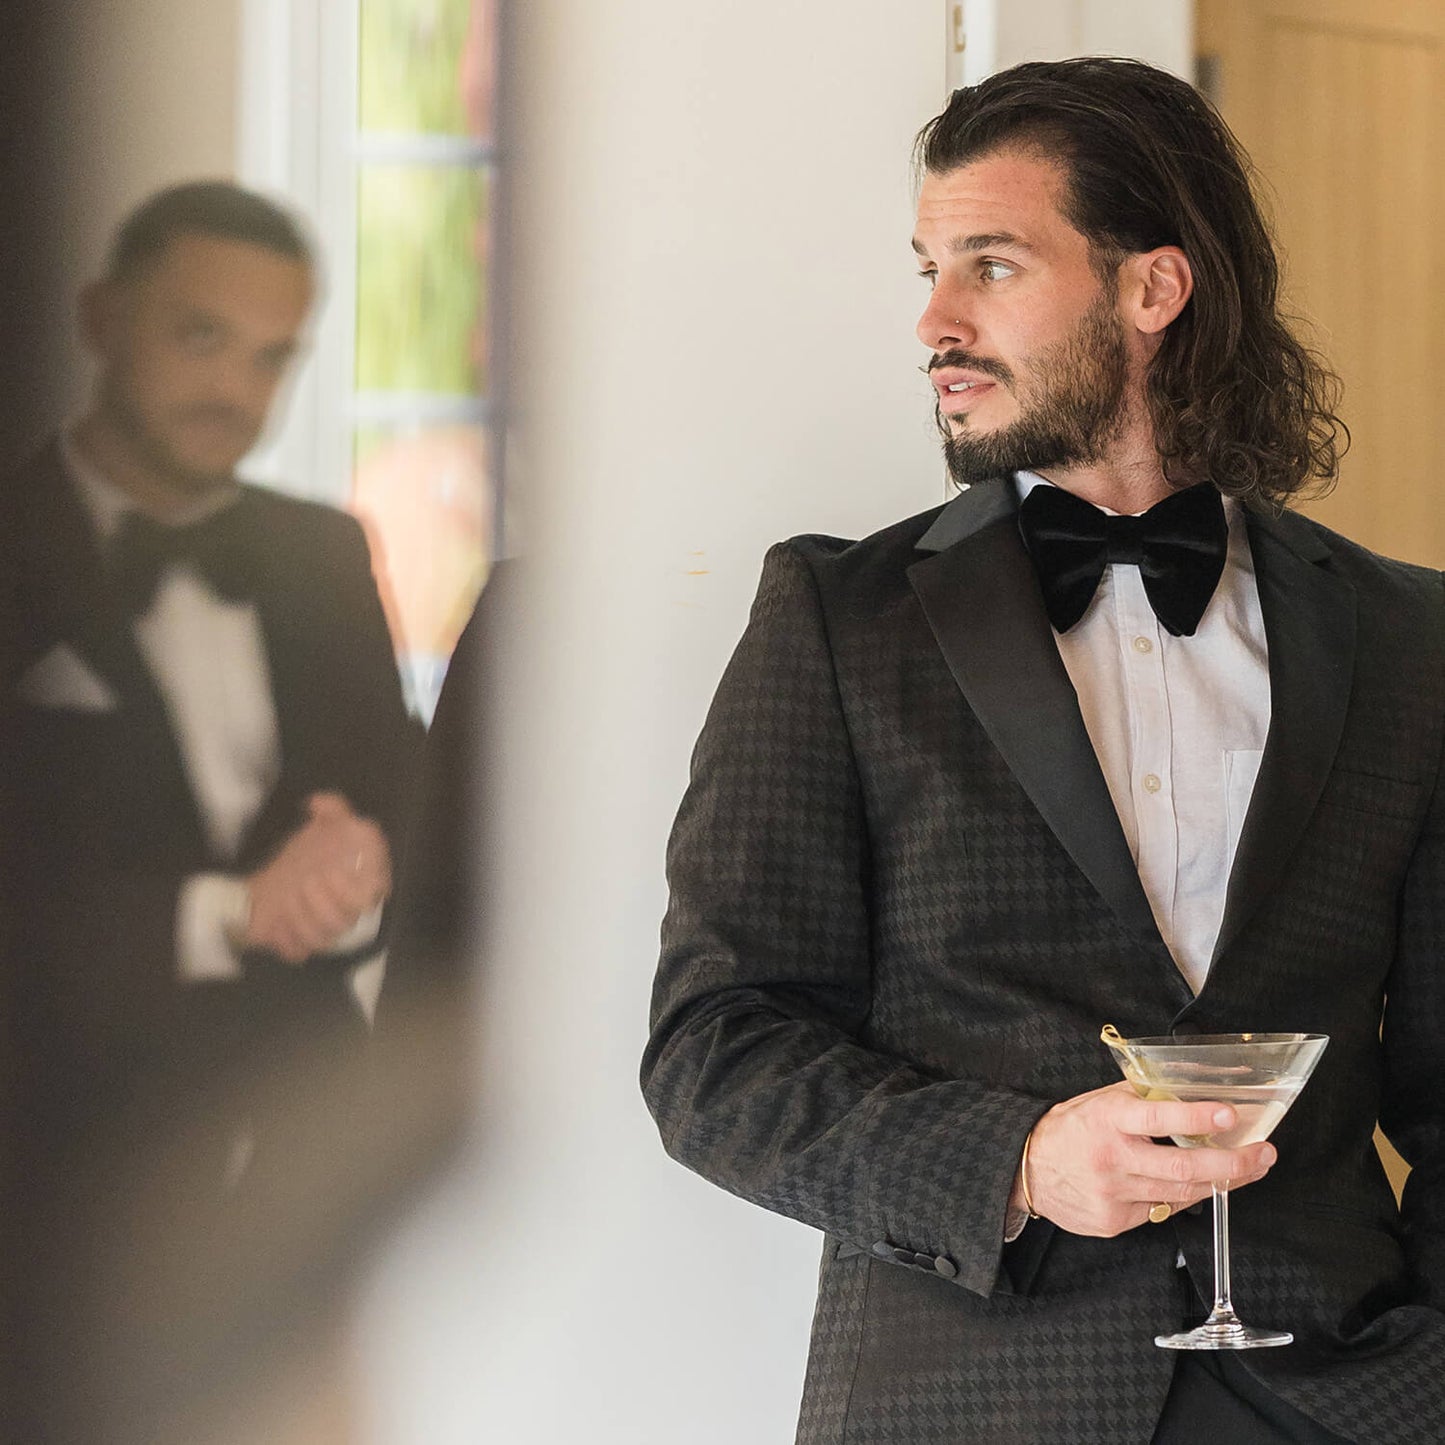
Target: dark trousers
1215	1399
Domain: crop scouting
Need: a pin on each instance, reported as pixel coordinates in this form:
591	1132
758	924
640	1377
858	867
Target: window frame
299	139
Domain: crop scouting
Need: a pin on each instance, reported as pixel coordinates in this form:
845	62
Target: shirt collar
107	504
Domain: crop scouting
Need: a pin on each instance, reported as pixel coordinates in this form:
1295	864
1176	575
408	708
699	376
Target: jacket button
905	1256
883	1249
946	1267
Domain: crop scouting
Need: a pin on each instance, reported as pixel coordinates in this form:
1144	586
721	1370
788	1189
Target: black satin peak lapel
1309	623
982	601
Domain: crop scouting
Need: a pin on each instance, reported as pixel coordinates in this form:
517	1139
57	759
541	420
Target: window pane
424	497
421	280
427	67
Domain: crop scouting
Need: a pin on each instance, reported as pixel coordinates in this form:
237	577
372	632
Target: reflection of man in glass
1023	765
211	742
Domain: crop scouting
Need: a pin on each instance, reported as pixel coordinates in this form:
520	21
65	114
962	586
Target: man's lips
958	390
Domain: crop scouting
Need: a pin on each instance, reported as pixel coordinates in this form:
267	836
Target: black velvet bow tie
143	549
1178	546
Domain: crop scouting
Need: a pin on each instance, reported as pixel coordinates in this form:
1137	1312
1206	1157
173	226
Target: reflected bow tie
1178	546
143	549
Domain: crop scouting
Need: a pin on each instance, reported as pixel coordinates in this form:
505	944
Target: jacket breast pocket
1372	793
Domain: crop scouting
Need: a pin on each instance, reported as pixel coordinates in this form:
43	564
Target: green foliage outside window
410	81
421	474
421	286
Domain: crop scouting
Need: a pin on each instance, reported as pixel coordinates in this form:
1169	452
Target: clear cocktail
1260	1075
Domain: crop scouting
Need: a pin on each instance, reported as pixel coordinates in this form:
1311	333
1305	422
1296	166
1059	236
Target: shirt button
1142	644
1152	783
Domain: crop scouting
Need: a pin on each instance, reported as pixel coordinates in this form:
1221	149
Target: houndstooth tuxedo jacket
902	907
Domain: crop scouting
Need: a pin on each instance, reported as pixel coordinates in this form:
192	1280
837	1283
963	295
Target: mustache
966	360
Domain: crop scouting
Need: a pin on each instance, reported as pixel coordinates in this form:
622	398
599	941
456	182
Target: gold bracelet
1024	1177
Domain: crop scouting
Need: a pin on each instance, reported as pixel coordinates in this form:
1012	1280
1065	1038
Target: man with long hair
1110	737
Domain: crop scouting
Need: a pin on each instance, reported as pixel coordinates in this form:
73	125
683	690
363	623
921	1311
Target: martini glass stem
1222	1317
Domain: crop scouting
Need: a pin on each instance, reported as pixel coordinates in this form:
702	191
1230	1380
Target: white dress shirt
1179	726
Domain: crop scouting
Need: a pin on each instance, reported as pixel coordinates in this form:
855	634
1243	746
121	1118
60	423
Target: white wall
150	98
715	305
1005	32
297	66
1159	31
714	309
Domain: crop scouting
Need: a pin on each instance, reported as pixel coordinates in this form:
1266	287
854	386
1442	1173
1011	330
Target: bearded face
1069	403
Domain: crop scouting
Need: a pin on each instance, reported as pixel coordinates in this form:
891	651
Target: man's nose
945	322
244	386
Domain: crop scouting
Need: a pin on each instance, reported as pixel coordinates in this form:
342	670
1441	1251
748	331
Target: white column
295	137
714	307
1004	32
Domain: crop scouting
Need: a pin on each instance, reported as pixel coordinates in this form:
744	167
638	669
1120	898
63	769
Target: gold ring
1158	1213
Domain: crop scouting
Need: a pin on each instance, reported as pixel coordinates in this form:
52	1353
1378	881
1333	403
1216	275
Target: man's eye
931	277
995	270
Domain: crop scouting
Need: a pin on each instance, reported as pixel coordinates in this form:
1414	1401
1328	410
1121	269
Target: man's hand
1094	1170
329	872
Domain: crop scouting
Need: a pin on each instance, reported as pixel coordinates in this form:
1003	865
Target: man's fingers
1181	1194
354	889
1161	1118
279	934
353	847
1095	1170
294	938
370	847
1167	1191
328	805
325	909
364	869
292	947
1189	1168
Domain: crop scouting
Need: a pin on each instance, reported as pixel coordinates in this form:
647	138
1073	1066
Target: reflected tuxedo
902	907
133	1087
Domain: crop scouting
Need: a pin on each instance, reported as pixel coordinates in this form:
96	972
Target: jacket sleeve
758	1070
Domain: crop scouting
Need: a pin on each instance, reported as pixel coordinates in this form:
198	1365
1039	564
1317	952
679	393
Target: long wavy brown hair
1234	396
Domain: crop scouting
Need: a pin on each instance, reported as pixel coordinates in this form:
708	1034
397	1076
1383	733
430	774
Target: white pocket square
62	679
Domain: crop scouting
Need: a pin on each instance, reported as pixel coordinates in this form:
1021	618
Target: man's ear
1157	286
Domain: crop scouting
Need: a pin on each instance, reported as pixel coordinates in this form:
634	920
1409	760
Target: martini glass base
1224	1333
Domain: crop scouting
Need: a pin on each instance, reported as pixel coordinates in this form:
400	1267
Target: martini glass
1259	1076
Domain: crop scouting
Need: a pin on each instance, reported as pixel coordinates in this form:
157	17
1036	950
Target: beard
149	443
1071	407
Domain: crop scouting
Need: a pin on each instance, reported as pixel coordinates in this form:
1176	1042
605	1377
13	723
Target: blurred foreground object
208	762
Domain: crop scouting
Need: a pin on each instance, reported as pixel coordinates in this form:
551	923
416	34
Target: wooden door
1342	108
1343	112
